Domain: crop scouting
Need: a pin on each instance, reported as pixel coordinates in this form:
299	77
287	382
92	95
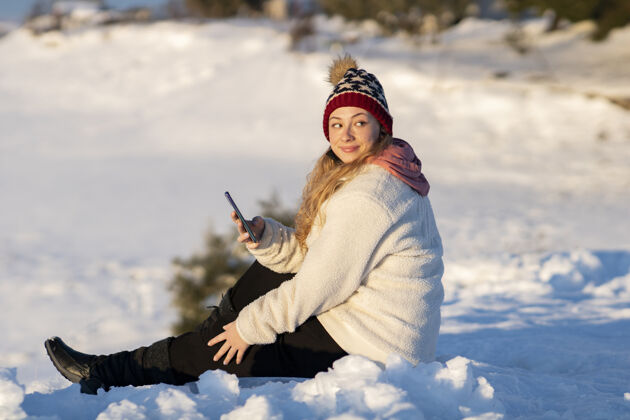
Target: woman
360	274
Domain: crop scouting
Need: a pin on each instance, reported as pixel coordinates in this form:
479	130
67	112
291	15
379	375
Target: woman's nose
347	134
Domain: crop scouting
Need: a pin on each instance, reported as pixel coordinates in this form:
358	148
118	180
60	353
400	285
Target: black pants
302	353
179	360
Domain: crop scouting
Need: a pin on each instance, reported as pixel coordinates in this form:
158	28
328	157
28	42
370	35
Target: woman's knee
255	282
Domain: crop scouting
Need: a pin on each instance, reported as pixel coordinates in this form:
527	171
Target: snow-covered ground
117	143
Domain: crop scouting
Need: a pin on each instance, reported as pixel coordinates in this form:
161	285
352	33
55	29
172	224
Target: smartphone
240	216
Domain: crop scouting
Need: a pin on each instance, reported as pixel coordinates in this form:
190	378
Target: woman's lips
349	149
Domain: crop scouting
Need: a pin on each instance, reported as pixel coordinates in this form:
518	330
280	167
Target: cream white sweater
372	273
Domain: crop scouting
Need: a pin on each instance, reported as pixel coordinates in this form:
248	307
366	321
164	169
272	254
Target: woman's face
352	131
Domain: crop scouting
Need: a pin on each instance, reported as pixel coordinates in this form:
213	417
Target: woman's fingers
257	224
217	339
233	346
243	235
229	356
238	222
224	348
252	245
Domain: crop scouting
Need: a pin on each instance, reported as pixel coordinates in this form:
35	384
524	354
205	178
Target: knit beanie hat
356	87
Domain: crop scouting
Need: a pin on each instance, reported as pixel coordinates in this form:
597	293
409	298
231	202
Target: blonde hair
328	175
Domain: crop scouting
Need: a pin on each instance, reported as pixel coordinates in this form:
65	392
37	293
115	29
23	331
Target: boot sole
65	373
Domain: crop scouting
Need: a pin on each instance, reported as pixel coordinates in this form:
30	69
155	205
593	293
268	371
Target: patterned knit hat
356	87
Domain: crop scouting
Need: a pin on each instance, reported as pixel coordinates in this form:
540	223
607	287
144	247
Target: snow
354	388
118	142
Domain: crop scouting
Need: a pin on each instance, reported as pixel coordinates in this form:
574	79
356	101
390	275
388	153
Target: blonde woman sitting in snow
360	274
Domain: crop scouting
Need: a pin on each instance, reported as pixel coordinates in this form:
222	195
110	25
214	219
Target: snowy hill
118	142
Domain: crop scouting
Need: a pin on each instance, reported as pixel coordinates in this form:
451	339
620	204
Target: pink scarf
400	160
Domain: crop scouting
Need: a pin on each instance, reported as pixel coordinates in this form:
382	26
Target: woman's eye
361	123
335	125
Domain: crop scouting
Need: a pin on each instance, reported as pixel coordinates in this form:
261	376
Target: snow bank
354	388
357	387
574	275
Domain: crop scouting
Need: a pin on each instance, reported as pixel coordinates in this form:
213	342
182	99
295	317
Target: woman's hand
257	225
234	344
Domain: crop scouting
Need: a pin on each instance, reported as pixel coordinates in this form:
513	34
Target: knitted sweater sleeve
278	250
332	270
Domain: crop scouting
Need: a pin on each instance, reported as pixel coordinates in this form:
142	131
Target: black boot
142	366
73	365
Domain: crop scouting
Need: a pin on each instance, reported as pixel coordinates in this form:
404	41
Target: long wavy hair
328	176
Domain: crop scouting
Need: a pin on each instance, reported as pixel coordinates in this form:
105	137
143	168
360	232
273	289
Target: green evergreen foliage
222	8
607	14
210	273
394	15
360	9
610	14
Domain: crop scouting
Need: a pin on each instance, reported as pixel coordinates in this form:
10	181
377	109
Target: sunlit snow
116	144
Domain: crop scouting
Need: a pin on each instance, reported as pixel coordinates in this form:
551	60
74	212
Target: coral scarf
401	161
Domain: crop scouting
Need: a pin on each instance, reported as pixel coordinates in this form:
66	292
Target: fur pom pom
339	67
